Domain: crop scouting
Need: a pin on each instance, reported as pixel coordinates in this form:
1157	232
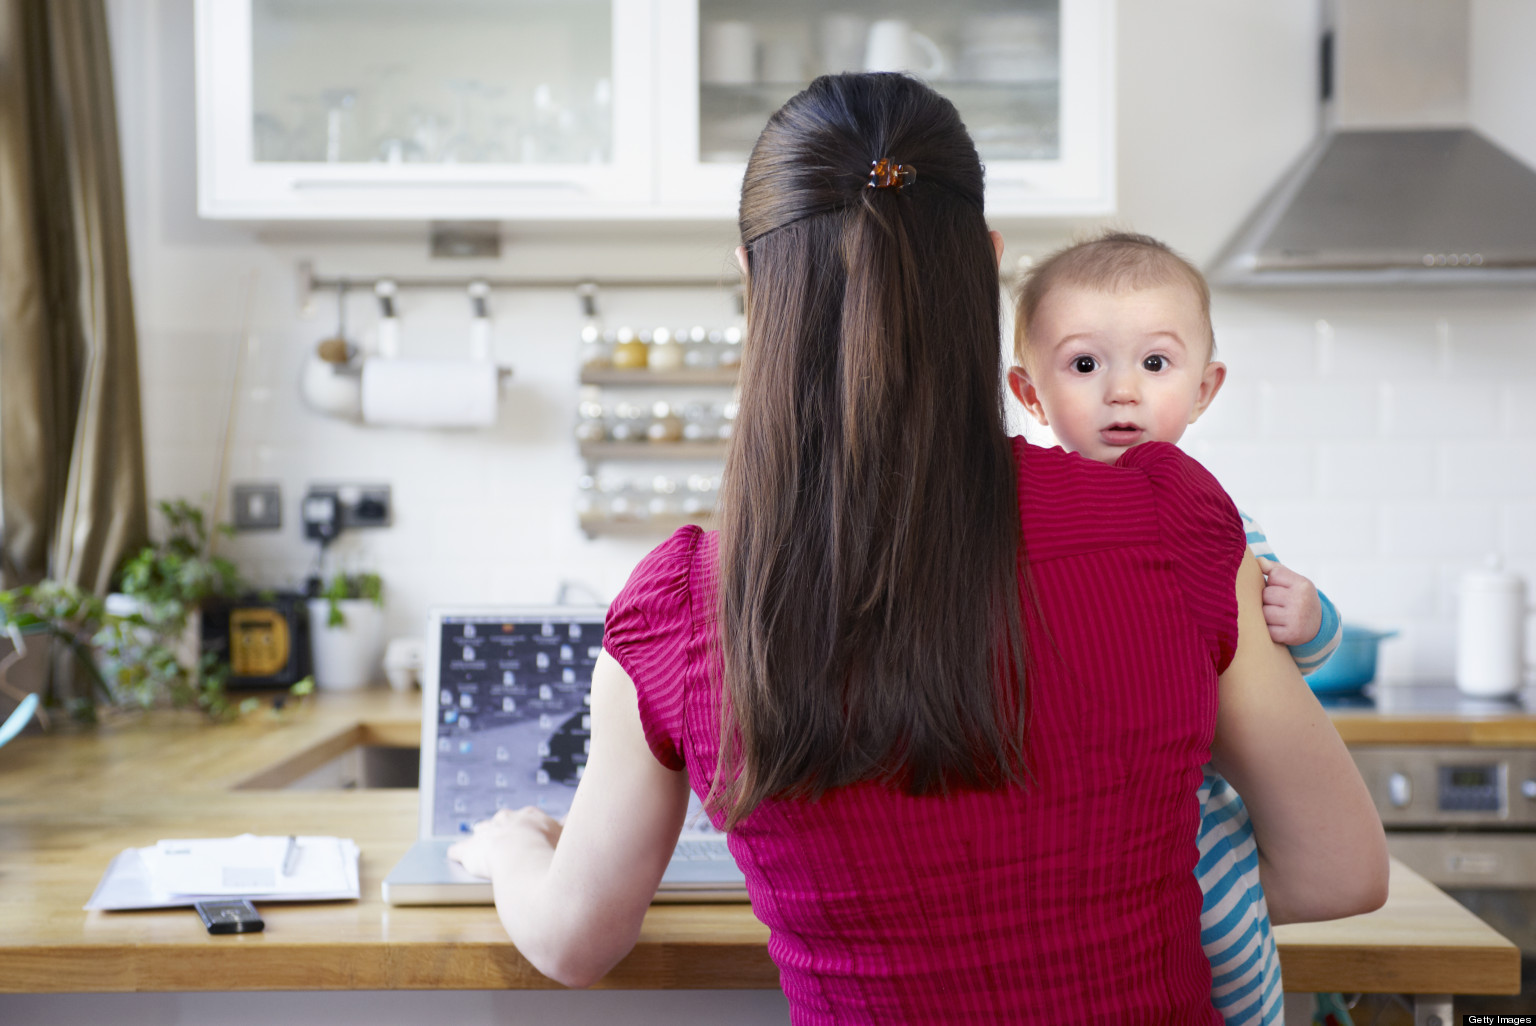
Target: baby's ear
1211	380
1023	390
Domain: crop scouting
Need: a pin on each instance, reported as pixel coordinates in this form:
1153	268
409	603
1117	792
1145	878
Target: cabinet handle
427	183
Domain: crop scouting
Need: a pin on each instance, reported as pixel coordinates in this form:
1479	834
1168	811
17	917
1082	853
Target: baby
1114	347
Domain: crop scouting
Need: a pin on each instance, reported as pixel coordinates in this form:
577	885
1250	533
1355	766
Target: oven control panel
1439	786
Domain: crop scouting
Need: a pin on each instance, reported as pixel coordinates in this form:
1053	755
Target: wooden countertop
69	802
1436	715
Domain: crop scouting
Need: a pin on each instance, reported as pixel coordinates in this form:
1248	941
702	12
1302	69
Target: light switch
257	507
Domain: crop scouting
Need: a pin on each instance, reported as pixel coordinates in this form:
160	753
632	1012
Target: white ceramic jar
1490	633
350	656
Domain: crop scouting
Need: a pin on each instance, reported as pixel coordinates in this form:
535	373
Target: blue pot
1353	664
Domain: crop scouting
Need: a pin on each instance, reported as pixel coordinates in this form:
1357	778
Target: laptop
506	697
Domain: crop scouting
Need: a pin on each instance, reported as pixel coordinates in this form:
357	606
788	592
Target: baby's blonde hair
1112	262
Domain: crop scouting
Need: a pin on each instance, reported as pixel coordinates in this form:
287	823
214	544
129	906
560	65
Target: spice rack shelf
656	524
700	376
594	452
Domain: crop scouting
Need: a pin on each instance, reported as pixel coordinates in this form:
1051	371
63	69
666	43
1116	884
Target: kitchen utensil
1353	664
1490	632
894	45
729	53
330	382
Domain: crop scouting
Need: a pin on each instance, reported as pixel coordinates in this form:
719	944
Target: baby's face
1109	370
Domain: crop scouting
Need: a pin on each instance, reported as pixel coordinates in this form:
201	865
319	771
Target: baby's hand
1291	606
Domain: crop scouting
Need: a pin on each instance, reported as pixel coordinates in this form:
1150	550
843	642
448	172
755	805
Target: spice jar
666	354
697	351
589	421
730	351
628	423
628	351
665	426
595	349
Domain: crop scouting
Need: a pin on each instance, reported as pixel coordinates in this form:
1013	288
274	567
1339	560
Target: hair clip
883	174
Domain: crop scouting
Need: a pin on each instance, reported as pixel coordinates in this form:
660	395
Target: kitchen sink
364	766
357	767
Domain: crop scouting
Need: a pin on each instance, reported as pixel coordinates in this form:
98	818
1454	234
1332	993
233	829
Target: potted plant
346	630
139	647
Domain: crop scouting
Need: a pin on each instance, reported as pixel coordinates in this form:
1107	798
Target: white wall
1376	434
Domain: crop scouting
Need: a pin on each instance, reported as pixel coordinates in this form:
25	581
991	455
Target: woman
949	693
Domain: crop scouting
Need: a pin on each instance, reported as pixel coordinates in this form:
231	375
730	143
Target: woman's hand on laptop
506	835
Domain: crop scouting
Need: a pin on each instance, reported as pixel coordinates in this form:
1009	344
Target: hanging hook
479	292
586	295
389	320
479	321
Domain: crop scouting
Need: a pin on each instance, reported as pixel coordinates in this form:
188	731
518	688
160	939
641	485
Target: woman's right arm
1322	851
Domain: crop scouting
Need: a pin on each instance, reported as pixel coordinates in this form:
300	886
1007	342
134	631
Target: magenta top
1071	900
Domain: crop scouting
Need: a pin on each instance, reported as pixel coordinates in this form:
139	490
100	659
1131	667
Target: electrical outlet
332	508
258	507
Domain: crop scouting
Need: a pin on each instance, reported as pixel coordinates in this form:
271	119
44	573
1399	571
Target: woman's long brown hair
869	592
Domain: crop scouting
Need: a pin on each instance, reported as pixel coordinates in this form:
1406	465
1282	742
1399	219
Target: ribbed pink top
1072	900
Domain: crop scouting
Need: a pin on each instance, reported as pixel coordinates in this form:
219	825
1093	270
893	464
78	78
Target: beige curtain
72	493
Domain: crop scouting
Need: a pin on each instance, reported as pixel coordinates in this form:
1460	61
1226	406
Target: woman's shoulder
661	586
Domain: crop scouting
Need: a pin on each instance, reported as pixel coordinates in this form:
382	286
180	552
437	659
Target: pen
291	856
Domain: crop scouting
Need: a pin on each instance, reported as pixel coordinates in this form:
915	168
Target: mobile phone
234	916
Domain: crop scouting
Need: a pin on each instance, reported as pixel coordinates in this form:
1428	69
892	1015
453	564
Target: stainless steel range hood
1393	204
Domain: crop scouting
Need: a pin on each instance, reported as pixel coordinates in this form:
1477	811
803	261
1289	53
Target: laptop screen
513	713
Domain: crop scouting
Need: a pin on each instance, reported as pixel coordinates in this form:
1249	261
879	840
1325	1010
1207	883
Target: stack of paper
179	872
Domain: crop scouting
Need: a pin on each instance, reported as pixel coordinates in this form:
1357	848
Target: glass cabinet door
477	108
1031	78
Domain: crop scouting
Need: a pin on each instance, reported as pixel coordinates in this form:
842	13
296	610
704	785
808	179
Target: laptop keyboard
701	851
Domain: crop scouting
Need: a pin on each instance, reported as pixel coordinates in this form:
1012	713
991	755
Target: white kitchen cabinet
1033	80
409	110
615	109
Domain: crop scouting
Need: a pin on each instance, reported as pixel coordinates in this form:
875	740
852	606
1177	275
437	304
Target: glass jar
666	354
629	351
665	425
629	422
699	422
698	352
590	417
699	497
663	495
596	351
727	425
730	349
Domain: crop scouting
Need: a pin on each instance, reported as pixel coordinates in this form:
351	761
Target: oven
1465	818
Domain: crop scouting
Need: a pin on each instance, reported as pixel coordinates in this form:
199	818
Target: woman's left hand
509	830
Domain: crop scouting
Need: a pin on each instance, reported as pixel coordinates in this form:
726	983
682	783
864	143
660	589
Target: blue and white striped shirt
1234	920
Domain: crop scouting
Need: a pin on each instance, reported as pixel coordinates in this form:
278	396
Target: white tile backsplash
1517	535
1376	470
1498	470
1376	593
1320	410
1460	529
1254	471
1433	408
1374	432
1303	531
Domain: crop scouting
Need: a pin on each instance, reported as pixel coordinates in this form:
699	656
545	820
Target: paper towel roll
429	393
